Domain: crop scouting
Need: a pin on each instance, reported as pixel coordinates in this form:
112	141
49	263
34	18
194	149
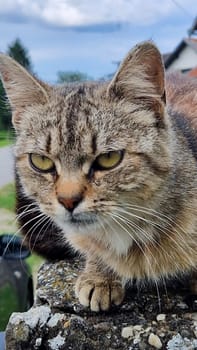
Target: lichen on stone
58	321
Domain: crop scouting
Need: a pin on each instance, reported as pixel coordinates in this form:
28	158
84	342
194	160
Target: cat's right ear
21	87
140	75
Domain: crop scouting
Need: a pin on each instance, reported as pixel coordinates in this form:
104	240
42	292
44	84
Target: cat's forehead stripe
94	144
48	143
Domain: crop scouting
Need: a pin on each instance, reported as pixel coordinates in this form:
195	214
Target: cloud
75	13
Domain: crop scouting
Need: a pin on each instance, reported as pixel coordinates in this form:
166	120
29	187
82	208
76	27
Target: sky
91	36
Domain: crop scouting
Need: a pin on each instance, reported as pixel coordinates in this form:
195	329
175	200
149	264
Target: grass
6	137
8	302
35	261
7	197
7	204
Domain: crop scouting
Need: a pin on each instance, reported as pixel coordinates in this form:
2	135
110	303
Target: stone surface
154	341
58	322
161	317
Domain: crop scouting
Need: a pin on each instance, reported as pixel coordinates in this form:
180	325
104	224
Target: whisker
29	233
133	238
165	218
132	225
129	224
47	223
18	231
144	234
25	213
164	230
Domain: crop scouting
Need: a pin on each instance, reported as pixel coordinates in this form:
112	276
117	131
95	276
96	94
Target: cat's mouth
83	219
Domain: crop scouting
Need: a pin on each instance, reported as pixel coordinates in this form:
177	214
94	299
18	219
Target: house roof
191	42
166	56
193	28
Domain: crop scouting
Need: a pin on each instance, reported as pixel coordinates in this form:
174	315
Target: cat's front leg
98	289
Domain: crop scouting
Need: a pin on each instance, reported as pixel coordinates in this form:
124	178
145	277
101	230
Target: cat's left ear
21	87
140	75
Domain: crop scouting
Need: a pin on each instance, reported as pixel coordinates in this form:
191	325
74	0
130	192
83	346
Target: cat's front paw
98	293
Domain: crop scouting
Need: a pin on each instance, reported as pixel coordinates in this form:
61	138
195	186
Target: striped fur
135	221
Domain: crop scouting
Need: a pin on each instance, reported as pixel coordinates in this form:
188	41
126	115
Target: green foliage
8	303
35	261
7	201
7	197
6	137
17	51
72	76
5	113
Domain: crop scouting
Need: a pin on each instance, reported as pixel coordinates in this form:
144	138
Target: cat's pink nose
70	203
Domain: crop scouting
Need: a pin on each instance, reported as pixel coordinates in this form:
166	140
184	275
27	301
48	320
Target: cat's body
114	172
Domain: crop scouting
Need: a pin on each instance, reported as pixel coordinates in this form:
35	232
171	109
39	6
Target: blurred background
90	36
77	40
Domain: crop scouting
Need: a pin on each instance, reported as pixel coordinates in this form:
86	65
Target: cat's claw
99	294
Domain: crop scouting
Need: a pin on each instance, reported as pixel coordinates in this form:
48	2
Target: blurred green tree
17	51
5	113
20	54
72	76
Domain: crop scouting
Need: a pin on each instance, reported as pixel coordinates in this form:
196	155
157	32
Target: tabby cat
108	169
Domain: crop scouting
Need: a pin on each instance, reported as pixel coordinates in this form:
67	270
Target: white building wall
187	59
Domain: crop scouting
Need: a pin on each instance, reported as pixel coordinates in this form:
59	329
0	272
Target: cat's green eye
41	163
109	160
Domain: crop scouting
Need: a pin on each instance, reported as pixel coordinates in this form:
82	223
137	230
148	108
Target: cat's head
89	153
